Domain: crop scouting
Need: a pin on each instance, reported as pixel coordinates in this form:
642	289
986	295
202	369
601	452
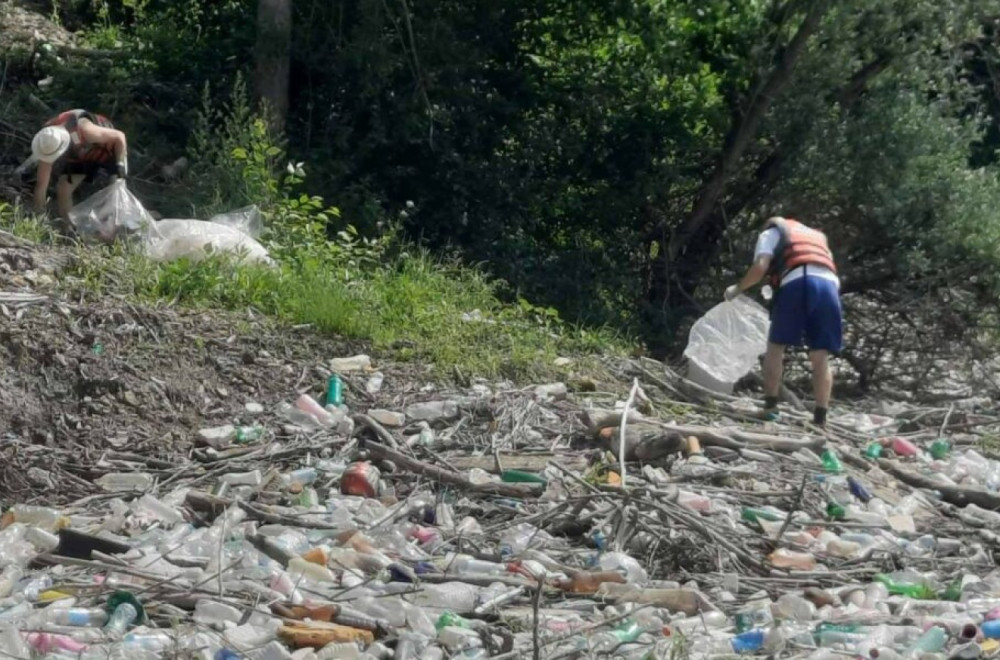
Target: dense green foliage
611	159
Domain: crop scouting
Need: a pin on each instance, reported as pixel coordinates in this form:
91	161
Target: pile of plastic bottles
327	554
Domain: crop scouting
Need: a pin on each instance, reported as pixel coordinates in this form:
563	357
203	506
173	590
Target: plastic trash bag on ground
247	219
725	343
197	239
109	214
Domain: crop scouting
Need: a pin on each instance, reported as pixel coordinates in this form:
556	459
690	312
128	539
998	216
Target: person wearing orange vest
73	147
805	309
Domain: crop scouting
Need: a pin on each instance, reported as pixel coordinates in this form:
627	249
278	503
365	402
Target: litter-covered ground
185	485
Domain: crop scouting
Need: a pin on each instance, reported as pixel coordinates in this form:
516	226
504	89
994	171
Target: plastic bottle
748	642
794	608
754	615
831	463
990	629
344	651
917	590
48	519
874	450
432	410
835	511
148	640
520	476
158	509
694	501
248	434
931	641
903	447
586	582
9	578
625	633
843	549
124	616
784	558
215	614
75	616
466	565
374	383
125	481
940	448
768	513
308	405
858	490
251	478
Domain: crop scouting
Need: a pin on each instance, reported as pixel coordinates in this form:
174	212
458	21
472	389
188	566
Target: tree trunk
273	54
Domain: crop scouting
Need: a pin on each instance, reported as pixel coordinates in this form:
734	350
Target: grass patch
413	306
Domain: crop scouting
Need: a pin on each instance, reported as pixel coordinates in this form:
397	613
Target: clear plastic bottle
93	617
125	481
251	478
121	619
215	614
466	565
374	383
46	518
310	406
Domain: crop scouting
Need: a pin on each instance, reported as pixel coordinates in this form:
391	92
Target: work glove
121	169
732	291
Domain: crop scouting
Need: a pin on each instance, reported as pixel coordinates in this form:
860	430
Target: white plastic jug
725	343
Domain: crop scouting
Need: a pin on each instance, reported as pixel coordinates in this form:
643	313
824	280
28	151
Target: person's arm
44	175
767	243
106	137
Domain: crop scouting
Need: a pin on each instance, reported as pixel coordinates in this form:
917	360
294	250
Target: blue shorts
807	311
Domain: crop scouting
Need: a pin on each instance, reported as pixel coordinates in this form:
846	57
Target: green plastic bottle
873	451
248	434
750	514
521	477
334	391
830	462
835	511
940	448
918	591
953	592
450	619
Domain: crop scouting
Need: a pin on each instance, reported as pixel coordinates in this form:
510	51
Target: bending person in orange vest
805	310
75	146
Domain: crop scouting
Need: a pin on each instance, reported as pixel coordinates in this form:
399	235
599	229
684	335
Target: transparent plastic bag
726	342
111	213
197	239
247	219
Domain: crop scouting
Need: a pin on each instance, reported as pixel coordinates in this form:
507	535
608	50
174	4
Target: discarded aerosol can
360	479
334	391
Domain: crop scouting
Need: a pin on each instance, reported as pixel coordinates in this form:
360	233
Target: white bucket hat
49	144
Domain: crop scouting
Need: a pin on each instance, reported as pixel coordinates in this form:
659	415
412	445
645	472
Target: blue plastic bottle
749	642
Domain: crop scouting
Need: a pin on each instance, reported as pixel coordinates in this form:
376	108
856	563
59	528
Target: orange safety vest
799	246
80	151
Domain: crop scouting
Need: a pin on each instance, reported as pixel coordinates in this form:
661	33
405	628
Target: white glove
732	291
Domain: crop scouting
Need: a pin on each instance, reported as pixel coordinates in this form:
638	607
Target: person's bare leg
822	378
65	188
773	366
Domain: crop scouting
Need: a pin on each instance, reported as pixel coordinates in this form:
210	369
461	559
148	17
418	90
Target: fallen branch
436	473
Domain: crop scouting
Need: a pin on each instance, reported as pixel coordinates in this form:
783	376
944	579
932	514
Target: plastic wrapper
726	342
110	214
197	239
247	219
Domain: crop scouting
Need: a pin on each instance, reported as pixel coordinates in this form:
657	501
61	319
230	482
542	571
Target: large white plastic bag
726	342
196	239
111	213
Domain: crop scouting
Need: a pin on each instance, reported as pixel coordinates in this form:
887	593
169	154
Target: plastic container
125	481
831	462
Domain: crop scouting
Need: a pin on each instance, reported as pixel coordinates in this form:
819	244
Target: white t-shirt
767	243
